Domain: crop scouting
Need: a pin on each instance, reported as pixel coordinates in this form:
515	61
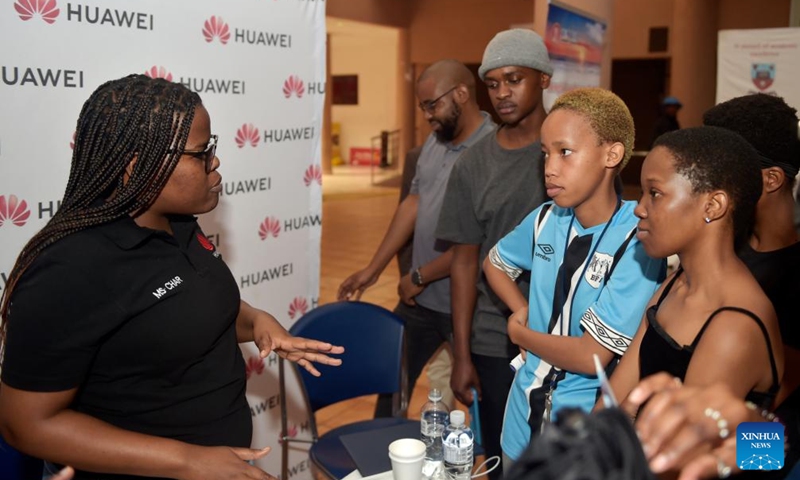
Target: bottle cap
457	417
435	395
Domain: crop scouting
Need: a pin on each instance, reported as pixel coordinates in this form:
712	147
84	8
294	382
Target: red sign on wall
364	156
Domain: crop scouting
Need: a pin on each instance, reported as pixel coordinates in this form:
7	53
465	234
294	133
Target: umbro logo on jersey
544	251
545	248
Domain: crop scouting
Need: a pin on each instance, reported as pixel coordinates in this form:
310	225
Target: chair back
17	466
372	362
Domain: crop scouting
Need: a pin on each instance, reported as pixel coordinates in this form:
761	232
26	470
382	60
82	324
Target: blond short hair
608	116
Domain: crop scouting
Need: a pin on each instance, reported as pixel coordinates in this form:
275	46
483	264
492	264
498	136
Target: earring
708	220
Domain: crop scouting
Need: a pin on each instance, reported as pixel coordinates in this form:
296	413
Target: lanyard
564	280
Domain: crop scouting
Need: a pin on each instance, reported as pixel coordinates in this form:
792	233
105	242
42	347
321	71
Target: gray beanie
518	47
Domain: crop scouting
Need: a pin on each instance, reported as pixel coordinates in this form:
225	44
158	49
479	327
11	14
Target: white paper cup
407	455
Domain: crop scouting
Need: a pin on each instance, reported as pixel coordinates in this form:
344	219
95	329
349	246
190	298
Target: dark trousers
426	330
496	378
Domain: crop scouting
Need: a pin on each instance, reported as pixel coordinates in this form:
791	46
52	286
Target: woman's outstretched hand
303	351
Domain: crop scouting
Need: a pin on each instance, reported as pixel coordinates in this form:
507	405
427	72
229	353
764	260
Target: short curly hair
766	121
714	158
607	114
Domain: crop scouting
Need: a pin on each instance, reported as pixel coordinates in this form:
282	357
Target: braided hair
132	118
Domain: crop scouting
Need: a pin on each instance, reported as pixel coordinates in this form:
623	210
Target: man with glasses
446	91
492	188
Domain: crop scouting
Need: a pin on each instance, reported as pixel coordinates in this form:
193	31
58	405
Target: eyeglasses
429	107
207	154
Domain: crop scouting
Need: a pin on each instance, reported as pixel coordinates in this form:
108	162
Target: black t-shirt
143	324
777	273
490	191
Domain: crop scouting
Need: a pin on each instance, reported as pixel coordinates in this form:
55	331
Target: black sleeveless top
661	353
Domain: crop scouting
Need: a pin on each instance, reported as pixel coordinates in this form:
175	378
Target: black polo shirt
143	323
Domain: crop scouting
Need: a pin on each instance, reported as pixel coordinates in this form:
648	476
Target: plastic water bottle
433	420
457	441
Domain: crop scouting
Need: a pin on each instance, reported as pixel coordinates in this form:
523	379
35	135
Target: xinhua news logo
759	446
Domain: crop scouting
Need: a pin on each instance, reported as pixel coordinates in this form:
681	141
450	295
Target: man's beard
447	132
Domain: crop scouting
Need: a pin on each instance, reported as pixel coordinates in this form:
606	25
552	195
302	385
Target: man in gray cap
494	185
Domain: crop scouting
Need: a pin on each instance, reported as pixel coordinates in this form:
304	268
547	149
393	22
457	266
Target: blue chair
18	466
372	363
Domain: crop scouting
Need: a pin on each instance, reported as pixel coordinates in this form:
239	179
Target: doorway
641	84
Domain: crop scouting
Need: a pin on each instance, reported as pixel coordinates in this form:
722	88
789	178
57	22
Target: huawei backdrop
259	68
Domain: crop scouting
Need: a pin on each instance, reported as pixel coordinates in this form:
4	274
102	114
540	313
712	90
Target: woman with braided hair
120	320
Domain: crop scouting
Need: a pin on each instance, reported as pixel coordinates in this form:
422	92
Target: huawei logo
313	174
72	143
205	243
247	134
293	84
254	365
216	27
270	226
47	9
159	72
14	210
298	307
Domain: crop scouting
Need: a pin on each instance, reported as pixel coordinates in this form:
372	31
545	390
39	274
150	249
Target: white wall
371	52
634	20
460	29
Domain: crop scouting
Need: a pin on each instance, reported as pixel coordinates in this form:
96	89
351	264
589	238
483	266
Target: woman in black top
120	319
710	322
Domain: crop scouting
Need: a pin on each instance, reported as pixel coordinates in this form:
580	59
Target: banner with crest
759	61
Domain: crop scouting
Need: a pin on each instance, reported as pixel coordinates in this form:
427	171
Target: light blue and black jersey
596	280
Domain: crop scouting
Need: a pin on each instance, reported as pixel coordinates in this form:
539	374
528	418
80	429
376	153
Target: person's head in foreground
586	139
516	70
697	184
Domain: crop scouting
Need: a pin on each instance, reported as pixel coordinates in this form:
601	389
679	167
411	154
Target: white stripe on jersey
498	262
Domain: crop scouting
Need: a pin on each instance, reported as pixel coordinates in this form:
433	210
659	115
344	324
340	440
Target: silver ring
723	469
722	424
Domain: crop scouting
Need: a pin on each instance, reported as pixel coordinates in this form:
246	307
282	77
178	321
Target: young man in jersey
590	277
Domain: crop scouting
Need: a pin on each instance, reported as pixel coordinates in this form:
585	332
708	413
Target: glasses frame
429	107
207	154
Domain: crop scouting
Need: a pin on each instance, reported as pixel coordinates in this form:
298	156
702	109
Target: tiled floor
356	182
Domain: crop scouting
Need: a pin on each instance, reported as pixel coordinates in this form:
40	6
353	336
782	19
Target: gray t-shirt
433	170
490	191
